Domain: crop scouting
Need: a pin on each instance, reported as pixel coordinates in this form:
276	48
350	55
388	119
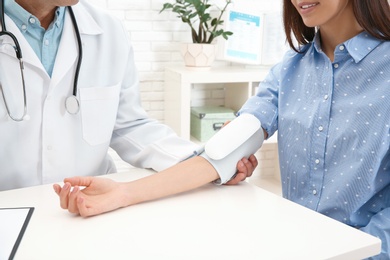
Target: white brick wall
155	38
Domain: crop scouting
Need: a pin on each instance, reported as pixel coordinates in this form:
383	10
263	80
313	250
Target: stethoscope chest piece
72	105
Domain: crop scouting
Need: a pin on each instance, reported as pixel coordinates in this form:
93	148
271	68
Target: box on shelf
207	120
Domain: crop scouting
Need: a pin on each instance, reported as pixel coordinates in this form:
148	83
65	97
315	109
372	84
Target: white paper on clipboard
13	223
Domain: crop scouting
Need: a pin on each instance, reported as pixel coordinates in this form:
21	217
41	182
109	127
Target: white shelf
179	81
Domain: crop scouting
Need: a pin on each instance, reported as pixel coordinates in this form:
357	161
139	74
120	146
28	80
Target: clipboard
13	224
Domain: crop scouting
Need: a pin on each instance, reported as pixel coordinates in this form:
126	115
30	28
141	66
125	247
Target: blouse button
32	20
341	48
336	65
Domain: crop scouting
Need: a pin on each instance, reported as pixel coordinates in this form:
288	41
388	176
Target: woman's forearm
184	176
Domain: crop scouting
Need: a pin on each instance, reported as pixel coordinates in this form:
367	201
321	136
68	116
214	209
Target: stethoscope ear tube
72	104
2	16
24	116
4	32
19	55
18	50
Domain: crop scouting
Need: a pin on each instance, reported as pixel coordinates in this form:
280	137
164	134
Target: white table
213	222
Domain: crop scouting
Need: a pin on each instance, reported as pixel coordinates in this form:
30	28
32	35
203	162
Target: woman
328	99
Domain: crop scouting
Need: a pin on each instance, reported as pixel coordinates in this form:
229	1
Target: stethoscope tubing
19	55
79	43
72	103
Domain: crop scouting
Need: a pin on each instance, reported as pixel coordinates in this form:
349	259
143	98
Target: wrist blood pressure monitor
238	139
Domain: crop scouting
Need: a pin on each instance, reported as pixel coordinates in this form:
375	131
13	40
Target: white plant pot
198	55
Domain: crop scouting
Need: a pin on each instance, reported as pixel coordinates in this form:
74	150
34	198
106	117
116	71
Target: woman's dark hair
372	15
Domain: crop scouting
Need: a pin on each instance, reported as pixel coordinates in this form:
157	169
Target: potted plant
204	29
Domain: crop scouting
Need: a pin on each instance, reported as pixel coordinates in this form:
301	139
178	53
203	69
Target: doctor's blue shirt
333	125
44	42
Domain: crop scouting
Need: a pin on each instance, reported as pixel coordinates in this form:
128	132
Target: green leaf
195	13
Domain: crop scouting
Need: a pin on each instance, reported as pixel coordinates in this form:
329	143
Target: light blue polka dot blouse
333	125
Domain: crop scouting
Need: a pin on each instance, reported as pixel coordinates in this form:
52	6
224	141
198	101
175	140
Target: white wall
155	38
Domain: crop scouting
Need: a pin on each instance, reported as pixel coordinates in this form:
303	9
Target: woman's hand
99	195
245	169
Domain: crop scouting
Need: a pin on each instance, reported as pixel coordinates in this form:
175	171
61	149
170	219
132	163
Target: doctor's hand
99	195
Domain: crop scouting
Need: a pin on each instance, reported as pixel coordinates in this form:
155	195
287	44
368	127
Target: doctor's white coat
54	144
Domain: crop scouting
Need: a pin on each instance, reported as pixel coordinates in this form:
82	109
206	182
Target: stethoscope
72	104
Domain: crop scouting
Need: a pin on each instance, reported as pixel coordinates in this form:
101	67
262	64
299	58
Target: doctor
69	117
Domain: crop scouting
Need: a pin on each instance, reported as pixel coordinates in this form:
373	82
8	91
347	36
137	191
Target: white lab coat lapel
68	51
28	53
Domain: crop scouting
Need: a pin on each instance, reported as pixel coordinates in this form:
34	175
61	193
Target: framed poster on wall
258	38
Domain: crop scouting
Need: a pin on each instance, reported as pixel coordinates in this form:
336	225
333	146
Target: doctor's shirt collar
24	20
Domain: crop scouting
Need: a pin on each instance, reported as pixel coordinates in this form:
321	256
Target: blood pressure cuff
238	139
